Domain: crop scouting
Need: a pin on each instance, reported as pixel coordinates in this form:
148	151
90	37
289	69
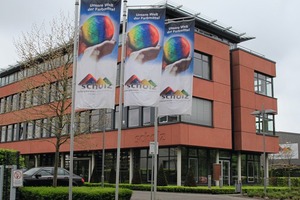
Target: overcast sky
274	23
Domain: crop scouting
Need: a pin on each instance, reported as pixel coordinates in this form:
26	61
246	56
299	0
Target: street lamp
262	113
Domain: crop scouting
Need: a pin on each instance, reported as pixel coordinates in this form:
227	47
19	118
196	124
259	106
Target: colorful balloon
176	48
97	29
142	36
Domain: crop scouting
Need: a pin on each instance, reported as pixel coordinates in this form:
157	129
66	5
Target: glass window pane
146	116
15	129
202	65
3	134
2	105
201	113
9	133
263	84
38	128
95	120
30	127
133	116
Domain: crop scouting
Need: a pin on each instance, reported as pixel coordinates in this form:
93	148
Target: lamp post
262	113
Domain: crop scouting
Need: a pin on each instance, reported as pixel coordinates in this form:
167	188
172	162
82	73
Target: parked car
43	176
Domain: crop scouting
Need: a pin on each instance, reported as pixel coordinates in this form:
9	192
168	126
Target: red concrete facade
231	90
245	101
218	90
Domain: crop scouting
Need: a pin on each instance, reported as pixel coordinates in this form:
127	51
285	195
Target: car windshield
31	171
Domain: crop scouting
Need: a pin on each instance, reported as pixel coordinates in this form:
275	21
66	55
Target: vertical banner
177	68
97	54
142	71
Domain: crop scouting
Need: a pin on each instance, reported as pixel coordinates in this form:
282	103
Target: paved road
142	195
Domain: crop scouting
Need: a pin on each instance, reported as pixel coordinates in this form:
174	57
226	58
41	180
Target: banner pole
121	99
73	99
155	149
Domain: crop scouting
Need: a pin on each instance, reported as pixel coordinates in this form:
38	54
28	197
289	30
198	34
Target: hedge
78	193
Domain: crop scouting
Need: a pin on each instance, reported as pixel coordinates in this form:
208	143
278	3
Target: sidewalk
146	195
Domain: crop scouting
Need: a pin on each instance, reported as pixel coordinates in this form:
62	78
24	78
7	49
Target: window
267	125
134	116
109	119
201	113
263	84
45	127
96	123
15	131
66	125
84	122
38	128
8	103
30	129
28	102
9	133
54	126
3	133
22	131
53	91
45	94
148	116
15	102
124	120
202	65
2	105
22	100
168	119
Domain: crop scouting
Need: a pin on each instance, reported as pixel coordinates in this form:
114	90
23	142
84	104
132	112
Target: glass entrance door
82	168
225	172
193	164
250	172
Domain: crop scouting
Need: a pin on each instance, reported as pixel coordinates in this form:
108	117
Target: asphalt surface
145	195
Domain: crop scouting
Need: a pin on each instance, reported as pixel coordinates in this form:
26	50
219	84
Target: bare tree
46	56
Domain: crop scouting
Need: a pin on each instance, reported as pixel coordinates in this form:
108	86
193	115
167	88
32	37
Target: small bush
112	176
161	177
136	178
189	179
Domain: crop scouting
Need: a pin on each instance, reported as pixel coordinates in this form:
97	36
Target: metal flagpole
103	149
121	99
73	99
155	150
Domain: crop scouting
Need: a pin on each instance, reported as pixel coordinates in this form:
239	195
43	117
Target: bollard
209	181
221	181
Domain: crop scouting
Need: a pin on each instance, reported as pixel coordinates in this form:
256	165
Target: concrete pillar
239	166
130	165
62	158
35	161
178	166
93	162
217	161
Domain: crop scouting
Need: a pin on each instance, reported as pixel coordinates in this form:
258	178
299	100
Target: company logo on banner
97	54
177	69
135	83
169	93
89	82
142	71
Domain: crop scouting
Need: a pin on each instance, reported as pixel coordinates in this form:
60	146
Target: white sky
274	23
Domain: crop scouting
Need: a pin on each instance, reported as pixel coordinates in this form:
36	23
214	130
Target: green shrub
112	176
189	179
136	178
79	193
161	177
96	176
